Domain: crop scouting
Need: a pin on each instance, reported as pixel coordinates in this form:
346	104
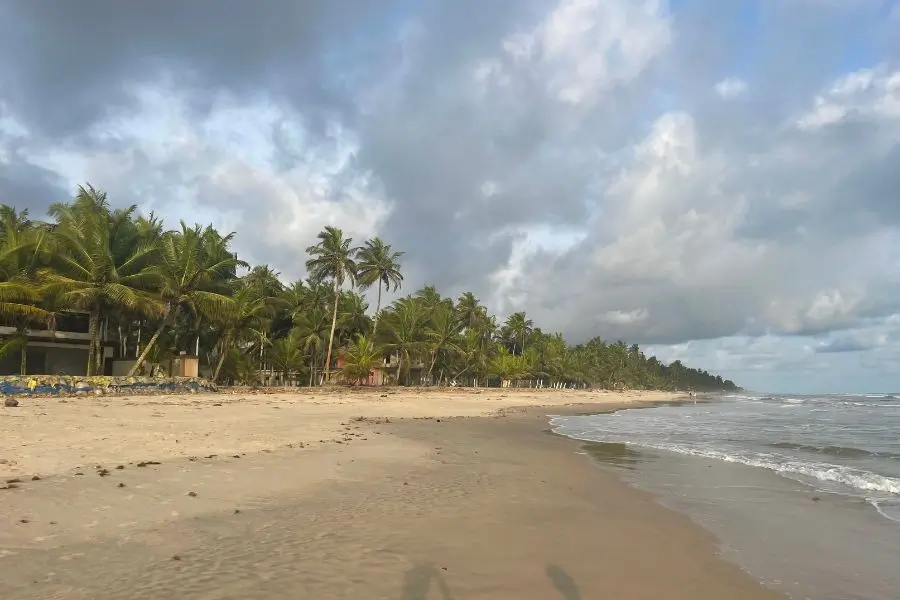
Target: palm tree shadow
563	583
418	581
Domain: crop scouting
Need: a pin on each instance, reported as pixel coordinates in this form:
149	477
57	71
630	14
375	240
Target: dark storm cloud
67	65
27	186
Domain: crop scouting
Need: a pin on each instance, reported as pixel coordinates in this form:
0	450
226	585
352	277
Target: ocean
803	492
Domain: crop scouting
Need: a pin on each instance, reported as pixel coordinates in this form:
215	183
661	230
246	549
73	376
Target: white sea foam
858	479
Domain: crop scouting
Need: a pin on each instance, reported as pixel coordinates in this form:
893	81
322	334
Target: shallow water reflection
619	455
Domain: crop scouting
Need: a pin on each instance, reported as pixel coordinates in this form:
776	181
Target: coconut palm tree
311	327
246	310
190	269
20	296
378	263
519	326
403	332
98	262
332	259
441	334
360	357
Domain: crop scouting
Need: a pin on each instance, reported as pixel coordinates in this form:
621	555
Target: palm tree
469	310
378	263
352	317
360	357
189	270
99	263
403	332
332	258
247	310
287	354
20	296
312	330
441	333
519	326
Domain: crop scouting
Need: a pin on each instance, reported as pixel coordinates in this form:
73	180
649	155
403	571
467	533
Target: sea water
802	491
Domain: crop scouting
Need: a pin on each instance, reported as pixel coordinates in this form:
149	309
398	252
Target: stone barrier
101	385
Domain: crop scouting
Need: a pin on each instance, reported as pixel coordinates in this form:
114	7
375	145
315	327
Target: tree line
160	293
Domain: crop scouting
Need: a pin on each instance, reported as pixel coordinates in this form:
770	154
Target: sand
412	496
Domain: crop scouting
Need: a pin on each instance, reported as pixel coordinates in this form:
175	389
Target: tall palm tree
99	263
332	259
378	263
189	272
519	326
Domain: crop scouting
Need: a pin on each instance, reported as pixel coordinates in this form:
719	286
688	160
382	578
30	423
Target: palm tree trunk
431	366
377	310
337	298
93	330
151	342
24	358
224	351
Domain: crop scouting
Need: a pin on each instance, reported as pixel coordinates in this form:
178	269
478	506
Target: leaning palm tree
378	263
332	259
99	263
189	274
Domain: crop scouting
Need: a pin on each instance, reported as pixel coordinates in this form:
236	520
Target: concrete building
62	351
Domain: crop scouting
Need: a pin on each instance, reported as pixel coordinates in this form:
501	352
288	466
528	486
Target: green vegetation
159	293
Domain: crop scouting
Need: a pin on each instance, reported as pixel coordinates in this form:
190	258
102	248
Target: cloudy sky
716	179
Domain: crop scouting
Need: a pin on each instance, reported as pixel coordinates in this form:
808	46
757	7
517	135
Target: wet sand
417	508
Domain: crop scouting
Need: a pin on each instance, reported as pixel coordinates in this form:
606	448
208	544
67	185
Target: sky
718	181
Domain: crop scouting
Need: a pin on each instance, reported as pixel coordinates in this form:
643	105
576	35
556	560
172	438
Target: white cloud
583	48
229	175
731	87
867	93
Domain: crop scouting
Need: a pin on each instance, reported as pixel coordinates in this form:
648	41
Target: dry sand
414	509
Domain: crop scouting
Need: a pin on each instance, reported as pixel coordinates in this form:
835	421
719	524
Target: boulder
10	402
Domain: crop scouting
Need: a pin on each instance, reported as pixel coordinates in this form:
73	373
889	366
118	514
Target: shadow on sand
417	583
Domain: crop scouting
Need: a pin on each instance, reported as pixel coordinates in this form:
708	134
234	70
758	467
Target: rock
99	392
121	485
35	478
81	385
192	494
10	402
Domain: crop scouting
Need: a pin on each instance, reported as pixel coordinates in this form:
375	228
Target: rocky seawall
101	385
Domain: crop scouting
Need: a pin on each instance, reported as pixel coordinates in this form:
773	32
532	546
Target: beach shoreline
413	505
